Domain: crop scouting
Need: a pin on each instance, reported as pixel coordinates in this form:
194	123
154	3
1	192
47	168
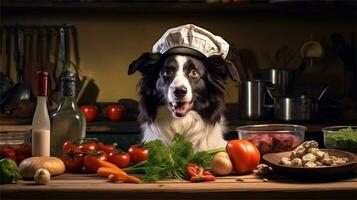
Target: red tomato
73	160
120	159
90	112
115	112
106	148
8	152
137	154
88	147
244	155
68	145
89	160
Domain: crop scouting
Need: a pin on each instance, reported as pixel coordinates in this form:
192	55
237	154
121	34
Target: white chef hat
193	37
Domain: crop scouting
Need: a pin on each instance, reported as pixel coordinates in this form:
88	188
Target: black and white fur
182	93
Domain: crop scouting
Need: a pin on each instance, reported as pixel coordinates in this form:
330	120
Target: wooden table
87	186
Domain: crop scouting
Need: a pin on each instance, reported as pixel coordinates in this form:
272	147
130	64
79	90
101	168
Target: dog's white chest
202	135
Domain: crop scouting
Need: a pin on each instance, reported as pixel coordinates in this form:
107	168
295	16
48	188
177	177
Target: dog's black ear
228	67
144	63
232	71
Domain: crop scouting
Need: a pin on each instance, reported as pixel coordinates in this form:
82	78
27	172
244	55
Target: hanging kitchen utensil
55	96
26	61
19	91
43	49
73	47
33	67
311	50
54	92
5	80
49	67
283	57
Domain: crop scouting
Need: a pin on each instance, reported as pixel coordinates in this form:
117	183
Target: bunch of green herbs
171	161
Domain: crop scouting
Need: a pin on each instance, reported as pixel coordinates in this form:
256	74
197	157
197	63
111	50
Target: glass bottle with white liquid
41	122
68	122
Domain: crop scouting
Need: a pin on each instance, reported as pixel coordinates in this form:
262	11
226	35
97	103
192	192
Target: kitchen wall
110	42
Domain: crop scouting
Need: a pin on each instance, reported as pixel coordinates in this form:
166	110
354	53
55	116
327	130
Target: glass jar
15	145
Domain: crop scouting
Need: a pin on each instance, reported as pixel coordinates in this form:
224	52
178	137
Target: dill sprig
171	161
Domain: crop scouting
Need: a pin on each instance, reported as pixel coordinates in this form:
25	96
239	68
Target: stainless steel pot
293	108
252	99
282	80
300	108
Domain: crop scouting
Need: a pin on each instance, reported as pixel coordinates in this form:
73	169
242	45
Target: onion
221	164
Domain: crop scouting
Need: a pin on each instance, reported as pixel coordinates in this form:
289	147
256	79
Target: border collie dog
182	91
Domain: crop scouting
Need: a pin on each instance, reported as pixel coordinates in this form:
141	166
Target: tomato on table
90	160
137	153
120	159
88	145
106	148
73	160
244	155
68	145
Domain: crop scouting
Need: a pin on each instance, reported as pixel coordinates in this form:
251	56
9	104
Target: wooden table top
133	126
90	186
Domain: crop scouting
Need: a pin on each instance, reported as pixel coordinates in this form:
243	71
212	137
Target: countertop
90	186
133	126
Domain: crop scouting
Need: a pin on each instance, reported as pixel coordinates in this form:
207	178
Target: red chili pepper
207	173
204	178
192	169
198	174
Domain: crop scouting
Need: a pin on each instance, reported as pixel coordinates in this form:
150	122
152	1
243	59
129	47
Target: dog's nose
180	92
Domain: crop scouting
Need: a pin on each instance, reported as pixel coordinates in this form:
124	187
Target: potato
29	166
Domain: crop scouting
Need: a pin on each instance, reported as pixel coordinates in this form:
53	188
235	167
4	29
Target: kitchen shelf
337	9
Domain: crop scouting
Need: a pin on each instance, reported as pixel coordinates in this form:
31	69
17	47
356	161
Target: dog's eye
194	74
167	73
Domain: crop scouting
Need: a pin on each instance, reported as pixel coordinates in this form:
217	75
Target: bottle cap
42	83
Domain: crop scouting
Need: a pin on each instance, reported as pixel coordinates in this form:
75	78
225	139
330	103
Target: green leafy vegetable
171	161
345	139
8	171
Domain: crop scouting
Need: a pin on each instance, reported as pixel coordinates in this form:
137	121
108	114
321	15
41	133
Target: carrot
127	179
103	163
133	179
106	171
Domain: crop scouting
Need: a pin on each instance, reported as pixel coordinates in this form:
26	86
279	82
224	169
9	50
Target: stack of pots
276	91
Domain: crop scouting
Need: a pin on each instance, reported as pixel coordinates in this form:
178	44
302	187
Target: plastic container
271	138
341	137
15	145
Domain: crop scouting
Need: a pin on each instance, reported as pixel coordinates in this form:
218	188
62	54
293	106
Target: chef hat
193	37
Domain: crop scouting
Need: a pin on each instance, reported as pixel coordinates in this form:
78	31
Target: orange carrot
133	179
103	163
127	179
106	171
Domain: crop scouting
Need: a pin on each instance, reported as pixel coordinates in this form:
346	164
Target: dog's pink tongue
181	108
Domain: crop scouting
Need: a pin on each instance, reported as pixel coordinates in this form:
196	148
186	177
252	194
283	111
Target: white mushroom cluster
307	154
